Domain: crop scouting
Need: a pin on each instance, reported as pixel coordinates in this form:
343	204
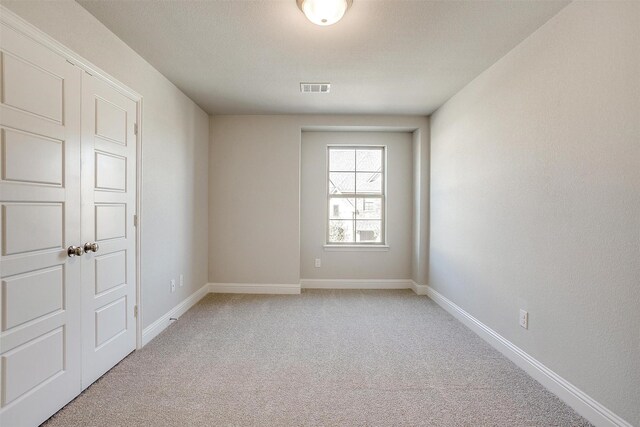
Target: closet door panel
108	209
43	155
40	338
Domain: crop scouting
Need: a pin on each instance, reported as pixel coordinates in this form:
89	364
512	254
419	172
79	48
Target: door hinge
135	220
135	311
135	128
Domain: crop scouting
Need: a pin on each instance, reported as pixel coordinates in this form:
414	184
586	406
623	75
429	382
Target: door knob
74	251
91	247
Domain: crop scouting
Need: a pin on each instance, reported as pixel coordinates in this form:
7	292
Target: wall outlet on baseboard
524	319
173	285
318	263
181	280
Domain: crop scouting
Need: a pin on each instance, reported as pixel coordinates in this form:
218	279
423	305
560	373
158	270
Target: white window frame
382	245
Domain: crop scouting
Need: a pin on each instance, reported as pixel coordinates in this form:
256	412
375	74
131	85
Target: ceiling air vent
315	87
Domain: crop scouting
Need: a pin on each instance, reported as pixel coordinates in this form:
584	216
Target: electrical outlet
318	262
181	280
524	319
173	285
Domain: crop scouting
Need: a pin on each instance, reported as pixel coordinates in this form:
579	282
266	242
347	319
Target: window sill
356	248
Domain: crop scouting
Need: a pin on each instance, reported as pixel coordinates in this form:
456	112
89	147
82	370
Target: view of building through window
356	195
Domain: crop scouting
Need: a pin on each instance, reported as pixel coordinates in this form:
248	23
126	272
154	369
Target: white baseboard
356	284
586	406
253	288
419	289
151	331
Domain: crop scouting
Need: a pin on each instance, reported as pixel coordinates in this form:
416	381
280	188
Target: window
356	195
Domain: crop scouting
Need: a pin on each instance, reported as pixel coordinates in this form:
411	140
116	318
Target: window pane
369	183
356	172
369	160
340	231
369	208
340	182
342	160
341	208
369	231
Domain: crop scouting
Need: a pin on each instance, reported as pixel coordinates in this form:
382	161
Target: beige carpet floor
323	358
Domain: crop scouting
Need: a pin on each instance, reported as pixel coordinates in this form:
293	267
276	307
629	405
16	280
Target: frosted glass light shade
324	12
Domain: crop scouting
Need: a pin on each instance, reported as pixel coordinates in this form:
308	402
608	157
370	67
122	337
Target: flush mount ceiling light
324	12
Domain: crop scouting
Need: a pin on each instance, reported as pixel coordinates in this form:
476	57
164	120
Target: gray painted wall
255	167
175	151
535	199
392	264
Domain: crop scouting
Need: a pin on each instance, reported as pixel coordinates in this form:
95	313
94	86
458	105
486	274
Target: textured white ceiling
384	57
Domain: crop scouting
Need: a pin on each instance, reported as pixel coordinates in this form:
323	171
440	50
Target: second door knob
91	247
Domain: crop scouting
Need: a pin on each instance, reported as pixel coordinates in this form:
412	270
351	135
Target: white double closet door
67	195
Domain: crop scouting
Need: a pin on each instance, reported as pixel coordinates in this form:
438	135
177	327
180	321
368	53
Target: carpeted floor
322	358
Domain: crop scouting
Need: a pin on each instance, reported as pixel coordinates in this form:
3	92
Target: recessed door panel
111	271
31	227
32	295
111	121
111	172
111	320
42	96
31	158
32	364
110	220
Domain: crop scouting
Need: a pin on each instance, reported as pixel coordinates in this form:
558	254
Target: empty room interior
319	213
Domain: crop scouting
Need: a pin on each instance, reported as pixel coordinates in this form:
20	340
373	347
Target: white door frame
17	23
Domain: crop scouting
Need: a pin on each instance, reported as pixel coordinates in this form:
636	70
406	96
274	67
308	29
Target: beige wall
255	168
364	264
175	146
535	199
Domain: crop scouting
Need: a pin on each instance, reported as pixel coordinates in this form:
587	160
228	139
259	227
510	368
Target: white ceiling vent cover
315	87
